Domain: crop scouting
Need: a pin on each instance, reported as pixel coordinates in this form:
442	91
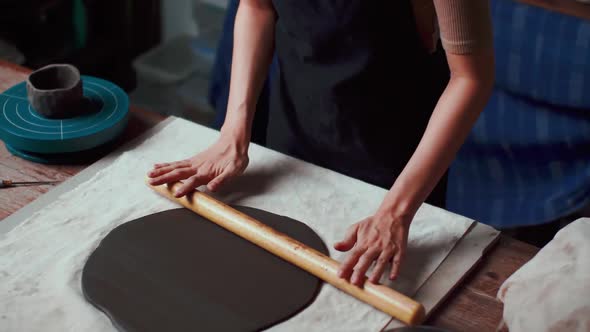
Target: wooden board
464	258
476	296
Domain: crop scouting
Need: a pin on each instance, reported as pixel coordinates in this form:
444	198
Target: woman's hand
225	159
382	239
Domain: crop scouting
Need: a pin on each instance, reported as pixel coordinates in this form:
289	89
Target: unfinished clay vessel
55	91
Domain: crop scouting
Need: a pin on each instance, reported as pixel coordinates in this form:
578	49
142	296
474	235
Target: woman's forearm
454	115
252	54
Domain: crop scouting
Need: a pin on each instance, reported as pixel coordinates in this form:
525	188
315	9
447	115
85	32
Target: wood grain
506	259
568	7
476	296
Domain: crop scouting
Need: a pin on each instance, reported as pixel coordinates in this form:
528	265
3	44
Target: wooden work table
472	306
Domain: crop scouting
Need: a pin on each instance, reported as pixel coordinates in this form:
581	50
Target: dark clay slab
176	271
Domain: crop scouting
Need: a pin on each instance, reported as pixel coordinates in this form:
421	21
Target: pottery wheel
176	271
30	135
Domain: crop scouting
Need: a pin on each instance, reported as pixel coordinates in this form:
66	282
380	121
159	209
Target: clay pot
55	91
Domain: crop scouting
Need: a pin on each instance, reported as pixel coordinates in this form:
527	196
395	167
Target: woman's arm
383	237
466	35
228	157
458	108
252	54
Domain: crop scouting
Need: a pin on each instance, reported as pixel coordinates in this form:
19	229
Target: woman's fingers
397	261
173	176
161	171
218	181
349	239
190	184
181	170
373	240
382	261
360	270
168	167
347	266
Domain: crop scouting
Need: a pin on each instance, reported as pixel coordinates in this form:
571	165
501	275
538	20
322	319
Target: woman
358	91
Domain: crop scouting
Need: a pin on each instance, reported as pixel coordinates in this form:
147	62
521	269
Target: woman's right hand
225	159
228	157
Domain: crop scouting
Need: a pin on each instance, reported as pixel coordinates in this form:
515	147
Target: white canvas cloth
551	292
42	258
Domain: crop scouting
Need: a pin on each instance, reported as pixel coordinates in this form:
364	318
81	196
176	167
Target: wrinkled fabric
42	258
551	292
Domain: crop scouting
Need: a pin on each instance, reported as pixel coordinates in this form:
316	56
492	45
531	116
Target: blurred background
159	52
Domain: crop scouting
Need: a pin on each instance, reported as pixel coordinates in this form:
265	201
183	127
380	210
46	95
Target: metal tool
10	183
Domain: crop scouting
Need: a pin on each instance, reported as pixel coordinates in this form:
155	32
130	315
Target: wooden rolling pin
381	297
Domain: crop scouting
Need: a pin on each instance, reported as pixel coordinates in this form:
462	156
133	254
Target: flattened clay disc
176	271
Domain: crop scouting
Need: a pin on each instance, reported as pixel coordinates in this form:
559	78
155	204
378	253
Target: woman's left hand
381	238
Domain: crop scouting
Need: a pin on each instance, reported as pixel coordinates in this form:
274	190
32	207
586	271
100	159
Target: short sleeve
465	25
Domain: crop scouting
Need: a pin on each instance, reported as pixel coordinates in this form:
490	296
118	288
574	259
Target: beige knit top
463	26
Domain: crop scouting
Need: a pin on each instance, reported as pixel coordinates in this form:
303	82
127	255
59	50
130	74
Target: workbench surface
472	306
